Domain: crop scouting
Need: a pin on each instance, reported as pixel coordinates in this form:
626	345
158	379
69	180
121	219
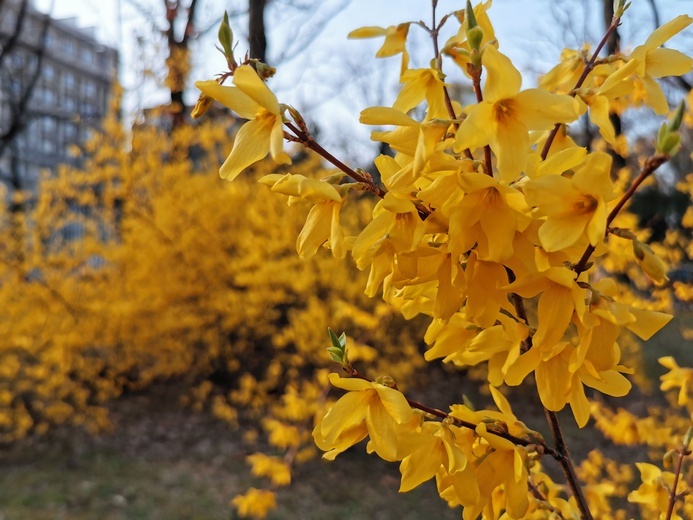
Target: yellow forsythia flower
255	503
250	99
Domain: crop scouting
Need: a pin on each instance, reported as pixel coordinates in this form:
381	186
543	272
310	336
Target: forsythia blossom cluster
486	207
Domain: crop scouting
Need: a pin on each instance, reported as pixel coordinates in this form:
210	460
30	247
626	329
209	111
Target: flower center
504	110
585	204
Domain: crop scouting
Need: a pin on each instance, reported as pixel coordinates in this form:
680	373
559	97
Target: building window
69	80
48	72
69	47
49	125
88	88
70	131
86	55
48	96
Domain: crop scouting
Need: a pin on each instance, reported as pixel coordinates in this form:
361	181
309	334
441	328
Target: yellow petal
655	97
512	148
367	32
525	364
352	384
615	79
277	143
541	110
308	189
374	231
555	310
553	383
250	146
337	243
668	62
561	161
475	131
557	234
503	80
420	466
668	30
231	97
381	428
347	412
315	231
386	116
394	403
247	80
579	404
647	323
596	228
612	383
448	297
599	115
517	497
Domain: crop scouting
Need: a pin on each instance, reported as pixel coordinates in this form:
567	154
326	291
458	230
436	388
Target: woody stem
308	141
567	464
518	441
475	72
588	68
651	164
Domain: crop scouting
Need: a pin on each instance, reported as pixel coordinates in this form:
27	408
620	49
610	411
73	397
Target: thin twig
475	73
589	66
567	464
651	164
683	452
309	142
539	443
541	498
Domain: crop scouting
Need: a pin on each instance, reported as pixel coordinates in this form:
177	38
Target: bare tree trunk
178	61
256	29
613	45
18	119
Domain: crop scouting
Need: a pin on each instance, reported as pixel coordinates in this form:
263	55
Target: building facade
70	76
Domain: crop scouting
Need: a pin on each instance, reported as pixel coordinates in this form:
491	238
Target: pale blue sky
527	30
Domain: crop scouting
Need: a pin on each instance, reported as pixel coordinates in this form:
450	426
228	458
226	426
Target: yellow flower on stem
655	62
561	297
573	206
417	140
394	218
677	377
598	100
322	223
654	492
457	47
395	40
263	133
420	84
382	408
439	444
506	116
255	503
488	216
562	78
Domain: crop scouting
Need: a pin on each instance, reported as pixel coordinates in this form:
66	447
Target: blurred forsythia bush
145	266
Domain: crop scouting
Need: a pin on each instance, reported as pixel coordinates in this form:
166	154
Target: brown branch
541	498
562	455
9	44
588	68
308	141
475	73
683	452
439	64
567	464
518	441
651	164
